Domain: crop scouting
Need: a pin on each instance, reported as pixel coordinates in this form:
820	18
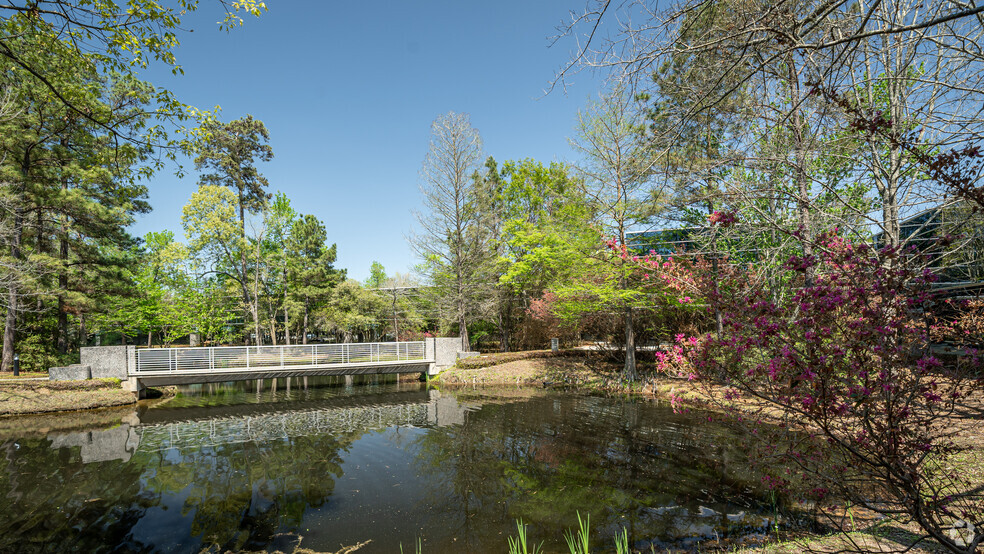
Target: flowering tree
842	362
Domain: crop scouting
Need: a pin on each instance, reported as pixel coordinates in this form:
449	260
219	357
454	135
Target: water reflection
245	467
666	479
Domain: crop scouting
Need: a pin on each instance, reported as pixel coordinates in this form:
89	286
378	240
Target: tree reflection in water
665	478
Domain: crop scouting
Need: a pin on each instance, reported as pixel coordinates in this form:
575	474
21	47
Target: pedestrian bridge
172	366
149	367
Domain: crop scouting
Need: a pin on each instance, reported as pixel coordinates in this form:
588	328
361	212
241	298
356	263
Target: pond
247	467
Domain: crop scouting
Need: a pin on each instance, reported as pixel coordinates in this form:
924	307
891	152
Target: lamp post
16	365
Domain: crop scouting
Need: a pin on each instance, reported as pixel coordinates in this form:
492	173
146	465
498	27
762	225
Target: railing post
282	355
247	356
211	359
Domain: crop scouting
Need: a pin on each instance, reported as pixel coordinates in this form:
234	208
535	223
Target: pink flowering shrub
723	219
542	323
960	323
845	360
673	361
842	359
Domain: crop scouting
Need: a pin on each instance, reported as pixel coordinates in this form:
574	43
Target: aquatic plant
622	542
518	544
418	547
577	541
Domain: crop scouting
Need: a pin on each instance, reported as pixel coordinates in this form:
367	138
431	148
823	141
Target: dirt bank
535	369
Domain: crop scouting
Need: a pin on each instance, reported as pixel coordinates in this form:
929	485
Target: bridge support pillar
134	385
430	353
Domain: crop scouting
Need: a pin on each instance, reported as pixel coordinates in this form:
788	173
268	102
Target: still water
241	467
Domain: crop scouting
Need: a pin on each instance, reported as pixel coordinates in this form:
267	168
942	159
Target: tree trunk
505	319
718	317
256	324
247	311
286	313
256	291
62	329
83	333
251	303
396	328
629	373
463	329
273	330
10	323
802	179
462	324
41	247
304	329
62	332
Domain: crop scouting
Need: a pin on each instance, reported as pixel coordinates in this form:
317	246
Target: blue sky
348	91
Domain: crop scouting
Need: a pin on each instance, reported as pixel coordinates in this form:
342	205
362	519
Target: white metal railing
298	356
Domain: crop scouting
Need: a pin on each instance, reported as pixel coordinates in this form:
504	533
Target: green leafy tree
81	129
377	276
74	189
279	218
215	239
354	311
614	176
545	237
230	151
311	269
104	35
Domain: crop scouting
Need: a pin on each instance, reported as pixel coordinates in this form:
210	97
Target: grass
24	375
578	542
34	397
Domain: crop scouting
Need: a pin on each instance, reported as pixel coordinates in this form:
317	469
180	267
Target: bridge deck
175	366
